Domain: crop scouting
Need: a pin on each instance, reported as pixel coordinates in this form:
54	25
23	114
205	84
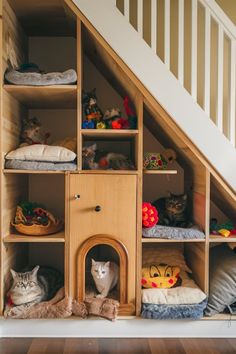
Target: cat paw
100	296
14	312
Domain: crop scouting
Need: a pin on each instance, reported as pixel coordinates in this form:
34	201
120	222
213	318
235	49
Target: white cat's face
99	270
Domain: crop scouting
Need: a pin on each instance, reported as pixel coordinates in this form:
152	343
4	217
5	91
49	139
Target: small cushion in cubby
40	152
40	165
171	254
222	279
176	233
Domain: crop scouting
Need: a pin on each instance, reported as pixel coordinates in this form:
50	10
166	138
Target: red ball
150	215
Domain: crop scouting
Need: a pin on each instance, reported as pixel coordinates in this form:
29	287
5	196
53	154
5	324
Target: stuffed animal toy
150	215
160	276
31	132
225	229
158	161
113	119
91	110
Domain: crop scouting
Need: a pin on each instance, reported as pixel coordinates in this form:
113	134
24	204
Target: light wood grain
36	172
58	237
109	133
56	96
79	92
160	172
116	195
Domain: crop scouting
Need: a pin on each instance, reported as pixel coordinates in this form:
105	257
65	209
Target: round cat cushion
160	276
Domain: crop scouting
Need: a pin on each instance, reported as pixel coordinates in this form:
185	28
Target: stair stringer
180	111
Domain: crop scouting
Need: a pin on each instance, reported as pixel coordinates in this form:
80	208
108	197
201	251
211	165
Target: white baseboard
132	328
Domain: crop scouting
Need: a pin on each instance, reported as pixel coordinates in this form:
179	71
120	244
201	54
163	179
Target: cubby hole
101	253
104	146
45	189
222	213
191	255
38	37
22	255
112	84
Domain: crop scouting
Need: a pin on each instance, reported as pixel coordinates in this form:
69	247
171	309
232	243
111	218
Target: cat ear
13	273
93	147
184	197
35	270
93	261
107	264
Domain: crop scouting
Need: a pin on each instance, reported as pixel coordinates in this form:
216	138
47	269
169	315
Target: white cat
105	276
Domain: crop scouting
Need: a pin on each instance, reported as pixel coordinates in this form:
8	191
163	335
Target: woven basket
39	230
54	225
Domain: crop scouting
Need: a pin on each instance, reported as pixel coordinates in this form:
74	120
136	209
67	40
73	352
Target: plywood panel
117	197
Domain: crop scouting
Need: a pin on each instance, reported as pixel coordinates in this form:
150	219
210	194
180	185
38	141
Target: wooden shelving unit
215	238
42	97
19	238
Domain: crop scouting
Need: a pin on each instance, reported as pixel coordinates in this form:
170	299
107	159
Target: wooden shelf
41	97
108	172
58	237
37	172
214	238
162	240
109	133
160	172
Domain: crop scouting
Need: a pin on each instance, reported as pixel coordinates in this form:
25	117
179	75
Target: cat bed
38	79
42	152
186	294
40	165
222	292
176	233
61	306
172	312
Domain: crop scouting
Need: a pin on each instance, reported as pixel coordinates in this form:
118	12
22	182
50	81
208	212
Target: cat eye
168	275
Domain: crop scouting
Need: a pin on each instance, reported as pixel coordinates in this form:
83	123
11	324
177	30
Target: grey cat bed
40	165
176	233
36	79
173	312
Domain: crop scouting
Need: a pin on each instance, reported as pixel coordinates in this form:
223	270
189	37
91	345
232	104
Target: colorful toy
88	124
225	229
150	215
160	276
113	119
91	110
132	117
158	161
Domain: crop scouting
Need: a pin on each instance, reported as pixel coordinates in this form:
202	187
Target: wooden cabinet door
103	205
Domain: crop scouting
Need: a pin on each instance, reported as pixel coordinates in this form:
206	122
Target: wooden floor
116	346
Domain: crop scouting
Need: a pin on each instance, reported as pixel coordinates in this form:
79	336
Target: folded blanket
173	312
40	165
37	79
176	233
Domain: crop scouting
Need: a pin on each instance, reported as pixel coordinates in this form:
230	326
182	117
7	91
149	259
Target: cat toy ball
150	215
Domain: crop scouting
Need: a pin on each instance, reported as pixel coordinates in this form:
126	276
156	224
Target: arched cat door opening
91	247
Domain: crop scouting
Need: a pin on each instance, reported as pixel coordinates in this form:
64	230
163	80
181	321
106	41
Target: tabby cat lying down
32	286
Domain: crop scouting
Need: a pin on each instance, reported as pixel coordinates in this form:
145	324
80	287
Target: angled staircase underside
115	47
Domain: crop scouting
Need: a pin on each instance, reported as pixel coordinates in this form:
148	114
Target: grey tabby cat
173	210
34	285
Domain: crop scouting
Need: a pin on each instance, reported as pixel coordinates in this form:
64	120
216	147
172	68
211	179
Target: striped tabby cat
173	211
34	285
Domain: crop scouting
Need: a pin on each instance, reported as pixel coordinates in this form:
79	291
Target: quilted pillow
40	152
171	254
222	279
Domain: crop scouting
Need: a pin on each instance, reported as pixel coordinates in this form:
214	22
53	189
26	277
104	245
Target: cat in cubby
105	276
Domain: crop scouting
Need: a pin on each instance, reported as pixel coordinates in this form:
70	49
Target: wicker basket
54	225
